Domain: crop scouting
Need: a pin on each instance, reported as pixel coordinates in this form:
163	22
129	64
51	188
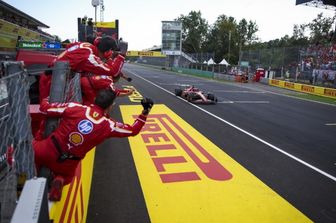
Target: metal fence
313	65
16	154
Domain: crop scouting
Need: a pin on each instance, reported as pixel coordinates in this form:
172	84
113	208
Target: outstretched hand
147	105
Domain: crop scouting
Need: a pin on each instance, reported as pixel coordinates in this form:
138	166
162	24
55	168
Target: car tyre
211	97
178	92
189	98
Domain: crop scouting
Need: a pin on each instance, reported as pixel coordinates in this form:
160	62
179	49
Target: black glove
147	104
129	79
122	46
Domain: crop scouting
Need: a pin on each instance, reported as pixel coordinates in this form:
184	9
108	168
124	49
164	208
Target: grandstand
325	4
16	25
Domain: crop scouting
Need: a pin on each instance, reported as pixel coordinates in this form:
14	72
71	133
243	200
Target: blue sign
50	45
85	127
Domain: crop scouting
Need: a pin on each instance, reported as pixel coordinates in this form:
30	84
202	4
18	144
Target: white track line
252	102
285	95
246	132
248	92
243	102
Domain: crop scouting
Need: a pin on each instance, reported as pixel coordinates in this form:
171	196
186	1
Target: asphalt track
287	143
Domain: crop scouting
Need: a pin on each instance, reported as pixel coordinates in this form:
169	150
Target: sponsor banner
39	45
106	24
318	90
7	41
49	45
289	85
186	178
15	30
9	33
309	89
297	87
329	92
144	54
33	45
276	82
73	206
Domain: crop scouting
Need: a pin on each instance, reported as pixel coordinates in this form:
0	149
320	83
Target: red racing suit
91	84
83	57
80	130
44	85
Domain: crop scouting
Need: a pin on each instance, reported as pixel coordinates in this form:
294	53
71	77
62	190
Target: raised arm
125	130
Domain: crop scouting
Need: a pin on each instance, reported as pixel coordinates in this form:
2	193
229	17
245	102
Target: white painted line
247	133
225	102
289	96
252	102
329	124
243	102
169	84
250	92
180	83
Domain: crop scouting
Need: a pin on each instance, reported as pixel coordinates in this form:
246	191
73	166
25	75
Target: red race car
194	95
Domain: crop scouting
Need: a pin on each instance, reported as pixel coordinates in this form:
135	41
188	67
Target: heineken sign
39	45
34	45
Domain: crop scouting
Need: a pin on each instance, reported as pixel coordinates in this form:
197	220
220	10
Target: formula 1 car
194	95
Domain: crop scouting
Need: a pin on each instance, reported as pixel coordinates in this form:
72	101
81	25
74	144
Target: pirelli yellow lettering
136	96
275	82
289	85
144	54
330	92
106	24
186	178
315	90
307	88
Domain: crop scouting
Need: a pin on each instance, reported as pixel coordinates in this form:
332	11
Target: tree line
227	37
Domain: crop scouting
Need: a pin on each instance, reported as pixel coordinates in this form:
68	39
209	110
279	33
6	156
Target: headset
107	54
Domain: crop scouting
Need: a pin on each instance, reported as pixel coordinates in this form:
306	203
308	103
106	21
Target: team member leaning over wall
81	129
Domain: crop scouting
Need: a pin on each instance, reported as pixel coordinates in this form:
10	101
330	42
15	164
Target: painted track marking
244	131
249	92
243	102
187	178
